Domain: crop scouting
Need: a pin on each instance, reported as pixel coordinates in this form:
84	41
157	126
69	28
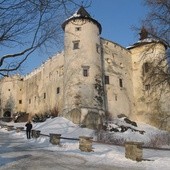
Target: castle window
115	97
9	90
78	28
106	79
76	44
85	71
120	82
58	90
147	87
98	48
29	101
145	68
20	101
44	95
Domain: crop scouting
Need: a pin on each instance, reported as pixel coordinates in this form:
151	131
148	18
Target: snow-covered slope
103	153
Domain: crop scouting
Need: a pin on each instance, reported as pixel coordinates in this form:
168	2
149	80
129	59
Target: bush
39	118
159	140
106	137
54	112
20	117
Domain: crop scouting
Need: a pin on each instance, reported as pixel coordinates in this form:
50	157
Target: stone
85	143
55	138
35	133
133	151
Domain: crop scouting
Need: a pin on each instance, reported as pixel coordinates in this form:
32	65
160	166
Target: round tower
83	87
150	93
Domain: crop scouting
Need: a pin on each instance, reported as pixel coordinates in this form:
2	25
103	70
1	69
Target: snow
104	154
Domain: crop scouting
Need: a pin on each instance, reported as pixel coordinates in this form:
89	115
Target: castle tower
148	60
83	87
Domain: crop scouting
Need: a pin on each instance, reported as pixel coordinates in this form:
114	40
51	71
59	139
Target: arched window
145	68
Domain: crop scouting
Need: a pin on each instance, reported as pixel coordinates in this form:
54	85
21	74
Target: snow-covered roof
146	41
81	13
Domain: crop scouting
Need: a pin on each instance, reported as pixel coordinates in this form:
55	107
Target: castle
92	79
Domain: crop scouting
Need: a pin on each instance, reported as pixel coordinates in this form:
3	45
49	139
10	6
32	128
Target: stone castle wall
90	78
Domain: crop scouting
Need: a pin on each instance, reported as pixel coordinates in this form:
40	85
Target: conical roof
81	13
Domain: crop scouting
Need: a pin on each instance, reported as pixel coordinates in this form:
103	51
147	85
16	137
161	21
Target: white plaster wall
75	83
45	80
149	107
117	65
11	89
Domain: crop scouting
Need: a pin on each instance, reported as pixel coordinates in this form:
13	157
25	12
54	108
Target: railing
133	150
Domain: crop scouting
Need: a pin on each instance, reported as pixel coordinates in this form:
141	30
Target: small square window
76	45
78	28
85	71
20	101
106	79
147	87
58	90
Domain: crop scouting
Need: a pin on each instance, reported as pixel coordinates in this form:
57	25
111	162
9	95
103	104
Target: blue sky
116	17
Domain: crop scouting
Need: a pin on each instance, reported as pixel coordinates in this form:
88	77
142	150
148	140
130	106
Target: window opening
106	79
58	90
145	68
147	87
120	82
78	28
76	45
44	95
115	97
85	71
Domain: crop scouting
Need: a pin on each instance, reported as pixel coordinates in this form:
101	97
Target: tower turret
83	88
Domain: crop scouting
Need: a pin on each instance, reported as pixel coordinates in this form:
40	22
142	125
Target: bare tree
157	21
157	24
27	25
157	67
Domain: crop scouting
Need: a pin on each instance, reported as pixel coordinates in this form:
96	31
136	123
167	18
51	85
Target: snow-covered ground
102	153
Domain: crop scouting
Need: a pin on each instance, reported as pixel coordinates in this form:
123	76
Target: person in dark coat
28	129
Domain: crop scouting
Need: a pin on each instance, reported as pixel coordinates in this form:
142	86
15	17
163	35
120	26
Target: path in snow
16	154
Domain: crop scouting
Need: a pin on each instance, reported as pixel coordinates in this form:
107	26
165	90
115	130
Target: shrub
106	137
39	118
159	140
54	112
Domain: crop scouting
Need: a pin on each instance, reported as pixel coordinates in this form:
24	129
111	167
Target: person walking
28	129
